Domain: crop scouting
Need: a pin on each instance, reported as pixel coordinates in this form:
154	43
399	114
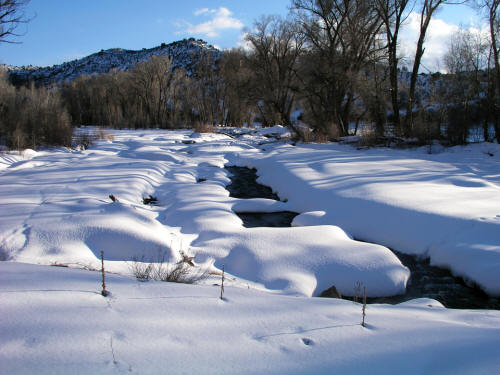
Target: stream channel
425	281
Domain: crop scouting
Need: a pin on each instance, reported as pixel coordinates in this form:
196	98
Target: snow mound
276	130
10	159
120	231
308	260
258	205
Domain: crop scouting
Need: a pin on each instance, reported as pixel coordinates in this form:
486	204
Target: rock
331	292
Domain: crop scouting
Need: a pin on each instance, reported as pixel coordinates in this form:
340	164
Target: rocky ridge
184	53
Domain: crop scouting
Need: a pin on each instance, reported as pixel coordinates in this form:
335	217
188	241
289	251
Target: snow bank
444	206
258	205
308	260
10	159
276	130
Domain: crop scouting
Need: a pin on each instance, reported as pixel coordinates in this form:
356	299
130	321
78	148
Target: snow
56	210
444	206
183	53
307	260
7	159
56	322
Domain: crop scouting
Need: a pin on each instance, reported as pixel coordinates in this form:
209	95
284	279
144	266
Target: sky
64	30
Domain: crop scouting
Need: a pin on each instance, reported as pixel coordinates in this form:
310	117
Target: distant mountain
184	54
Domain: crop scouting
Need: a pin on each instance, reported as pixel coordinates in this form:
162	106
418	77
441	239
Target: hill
184	53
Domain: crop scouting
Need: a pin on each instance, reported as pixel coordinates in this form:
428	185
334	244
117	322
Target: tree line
334	64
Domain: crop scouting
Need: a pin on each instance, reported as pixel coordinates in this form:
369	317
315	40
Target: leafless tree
32	117
393	13
373	88
209	89
11	16
491	8
427	11
343	37
238	78
276	47
152	80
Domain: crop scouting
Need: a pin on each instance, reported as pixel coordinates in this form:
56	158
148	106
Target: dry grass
204	128
308	136
87	137
102	134
158	269
368	138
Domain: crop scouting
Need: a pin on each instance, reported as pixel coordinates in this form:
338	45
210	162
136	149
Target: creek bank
426	281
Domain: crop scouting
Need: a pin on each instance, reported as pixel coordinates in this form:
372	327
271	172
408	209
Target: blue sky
63	30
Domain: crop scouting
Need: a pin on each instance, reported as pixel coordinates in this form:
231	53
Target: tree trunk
494	45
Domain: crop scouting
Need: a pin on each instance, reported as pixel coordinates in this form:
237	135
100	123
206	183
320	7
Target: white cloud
198	12
220	19
436	43
437	40
243	43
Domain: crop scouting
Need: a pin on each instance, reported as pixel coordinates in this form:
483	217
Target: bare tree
153	82
11	16
32	117
465	61
428	9
343	37
238	77
393	13
276	46
209	90
373	92
491	8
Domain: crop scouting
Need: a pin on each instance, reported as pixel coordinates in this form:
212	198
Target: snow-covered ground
445	206
54	321
55	209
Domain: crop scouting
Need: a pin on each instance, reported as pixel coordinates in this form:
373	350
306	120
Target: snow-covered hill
184	54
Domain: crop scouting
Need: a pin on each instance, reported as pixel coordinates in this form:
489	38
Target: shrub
158	269
200	127
86	137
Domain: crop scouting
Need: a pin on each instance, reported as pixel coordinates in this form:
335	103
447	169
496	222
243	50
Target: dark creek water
439	284
425	280
267	219
244	185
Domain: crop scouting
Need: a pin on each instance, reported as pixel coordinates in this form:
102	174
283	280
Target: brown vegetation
32	117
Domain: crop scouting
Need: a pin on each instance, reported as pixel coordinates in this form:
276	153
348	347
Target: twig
222	284
364	306
104	291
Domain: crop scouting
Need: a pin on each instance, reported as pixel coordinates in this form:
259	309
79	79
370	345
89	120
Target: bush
182	272
204	128
86	137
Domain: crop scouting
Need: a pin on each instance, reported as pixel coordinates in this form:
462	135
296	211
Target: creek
425	281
